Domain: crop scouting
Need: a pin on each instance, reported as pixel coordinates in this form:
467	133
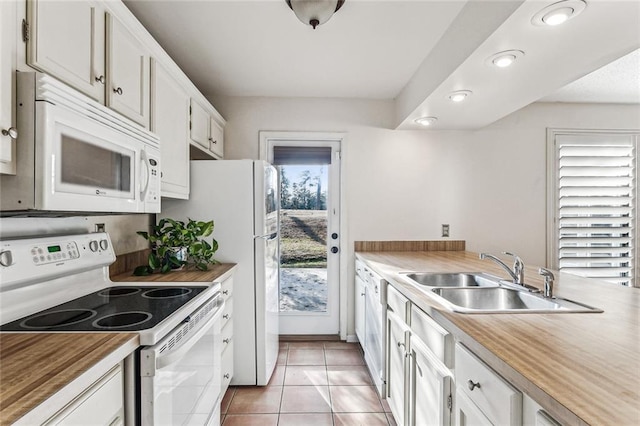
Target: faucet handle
518	266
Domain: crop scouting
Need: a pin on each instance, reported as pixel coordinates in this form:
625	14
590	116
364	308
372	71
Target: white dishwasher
375	303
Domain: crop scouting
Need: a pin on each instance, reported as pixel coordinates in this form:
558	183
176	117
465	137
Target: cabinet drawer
397	302
436	338
497	399
227	367
360	269
227	313
102	403
227	334
226	287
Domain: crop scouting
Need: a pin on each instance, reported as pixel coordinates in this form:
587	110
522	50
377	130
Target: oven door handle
175	355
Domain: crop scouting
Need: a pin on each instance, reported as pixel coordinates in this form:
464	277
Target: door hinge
190	110
189	125
25	30
450	402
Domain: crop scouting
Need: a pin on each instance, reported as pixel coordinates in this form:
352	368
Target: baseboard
309	338
352	338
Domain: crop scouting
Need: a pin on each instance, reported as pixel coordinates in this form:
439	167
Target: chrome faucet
518	266
548	282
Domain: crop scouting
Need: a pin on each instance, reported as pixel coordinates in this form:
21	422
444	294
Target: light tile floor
314	384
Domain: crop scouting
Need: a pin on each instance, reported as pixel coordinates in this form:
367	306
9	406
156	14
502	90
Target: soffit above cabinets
415	52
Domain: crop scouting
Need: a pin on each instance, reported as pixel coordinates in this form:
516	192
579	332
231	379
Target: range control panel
52	256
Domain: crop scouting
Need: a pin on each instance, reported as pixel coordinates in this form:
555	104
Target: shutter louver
596	207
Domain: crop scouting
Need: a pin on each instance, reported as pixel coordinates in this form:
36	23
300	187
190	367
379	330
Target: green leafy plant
175	243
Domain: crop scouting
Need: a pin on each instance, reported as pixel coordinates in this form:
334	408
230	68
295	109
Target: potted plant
175	244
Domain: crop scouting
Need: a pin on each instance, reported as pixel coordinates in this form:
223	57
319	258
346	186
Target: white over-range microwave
76	155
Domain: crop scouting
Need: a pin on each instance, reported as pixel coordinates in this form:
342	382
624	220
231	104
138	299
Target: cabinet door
359	311
200	122
67	40
128	79
467	414
7	122
216	139
170	121
397	336
430	388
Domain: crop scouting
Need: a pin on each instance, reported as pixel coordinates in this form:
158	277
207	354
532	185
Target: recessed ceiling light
426	121
459	95
505	58
558	13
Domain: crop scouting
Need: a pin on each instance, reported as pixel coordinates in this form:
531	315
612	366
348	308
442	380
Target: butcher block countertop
41	372
215	272
582	368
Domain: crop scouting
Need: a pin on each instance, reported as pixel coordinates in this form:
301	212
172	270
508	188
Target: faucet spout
516	278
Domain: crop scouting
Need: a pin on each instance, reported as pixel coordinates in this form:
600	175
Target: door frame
267	140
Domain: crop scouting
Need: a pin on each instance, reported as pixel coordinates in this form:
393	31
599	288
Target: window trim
553	191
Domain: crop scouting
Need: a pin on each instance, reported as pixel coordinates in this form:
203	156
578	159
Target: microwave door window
95	168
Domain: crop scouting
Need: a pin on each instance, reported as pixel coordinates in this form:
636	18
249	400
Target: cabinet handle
226	341
12	132
362	294
473	385
400	345
226	376
100	79
118	90
225	291
225	316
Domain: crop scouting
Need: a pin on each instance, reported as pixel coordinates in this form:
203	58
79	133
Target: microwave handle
144	174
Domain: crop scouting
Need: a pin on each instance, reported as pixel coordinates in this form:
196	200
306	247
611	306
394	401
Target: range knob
6	258
93	245
104	244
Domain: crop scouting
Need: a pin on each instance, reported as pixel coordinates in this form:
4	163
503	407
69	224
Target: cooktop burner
114	308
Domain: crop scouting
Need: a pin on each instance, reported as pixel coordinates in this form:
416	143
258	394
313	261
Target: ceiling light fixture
426	121
314	12
558	13
459	95
505	58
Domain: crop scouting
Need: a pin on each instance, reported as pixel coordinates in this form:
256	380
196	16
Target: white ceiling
415	52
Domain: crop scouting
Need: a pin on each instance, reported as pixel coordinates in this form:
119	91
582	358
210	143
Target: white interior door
309	178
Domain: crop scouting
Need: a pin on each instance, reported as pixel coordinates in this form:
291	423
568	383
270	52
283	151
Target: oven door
84	164
181	375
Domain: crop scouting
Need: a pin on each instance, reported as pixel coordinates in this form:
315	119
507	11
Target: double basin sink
477	292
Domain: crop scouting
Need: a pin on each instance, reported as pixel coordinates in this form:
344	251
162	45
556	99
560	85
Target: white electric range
60	284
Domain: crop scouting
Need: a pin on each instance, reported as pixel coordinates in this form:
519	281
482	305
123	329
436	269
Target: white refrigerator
241	196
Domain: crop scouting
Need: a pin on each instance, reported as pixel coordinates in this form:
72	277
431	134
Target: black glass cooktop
110	309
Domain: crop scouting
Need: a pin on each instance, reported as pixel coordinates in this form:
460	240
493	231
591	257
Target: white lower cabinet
499	402
227	334
101	404
430	387
419	385
360	294
467	413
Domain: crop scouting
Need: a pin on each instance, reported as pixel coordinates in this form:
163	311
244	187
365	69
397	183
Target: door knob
334	250
12	132
334	236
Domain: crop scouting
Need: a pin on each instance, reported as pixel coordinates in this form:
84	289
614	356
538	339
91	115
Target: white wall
489	185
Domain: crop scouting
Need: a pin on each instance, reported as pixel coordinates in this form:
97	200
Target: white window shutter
596	206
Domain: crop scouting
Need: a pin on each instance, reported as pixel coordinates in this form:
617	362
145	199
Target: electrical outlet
100	227
445	230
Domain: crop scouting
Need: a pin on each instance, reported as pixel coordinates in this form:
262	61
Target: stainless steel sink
460	279
505	300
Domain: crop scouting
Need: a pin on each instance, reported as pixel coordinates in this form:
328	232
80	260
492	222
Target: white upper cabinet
128	79
200	123
67	40
216	139
170	121
206	131
8	131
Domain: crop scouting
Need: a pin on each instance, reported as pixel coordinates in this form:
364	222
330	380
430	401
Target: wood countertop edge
456	322
218	272
59	398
